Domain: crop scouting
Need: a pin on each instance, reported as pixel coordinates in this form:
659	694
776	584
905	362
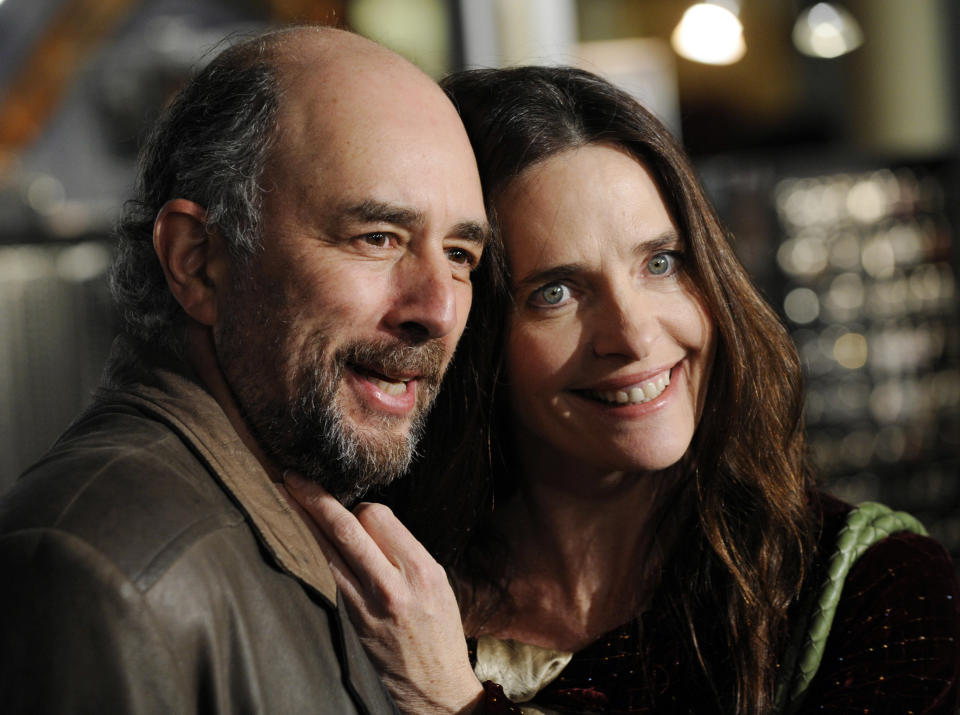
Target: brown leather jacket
150	566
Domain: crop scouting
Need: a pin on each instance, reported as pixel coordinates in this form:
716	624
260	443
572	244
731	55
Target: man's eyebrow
474	231
372	211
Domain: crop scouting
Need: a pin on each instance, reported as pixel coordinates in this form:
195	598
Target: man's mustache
426	360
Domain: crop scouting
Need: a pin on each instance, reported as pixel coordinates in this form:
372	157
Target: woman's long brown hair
745	528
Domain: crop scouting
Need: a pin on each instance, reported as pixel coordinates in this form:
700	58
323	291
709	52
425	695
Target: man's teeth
391	388
644	392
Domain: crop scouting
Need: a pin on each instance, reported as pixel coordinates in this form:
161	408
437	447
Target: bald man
293	276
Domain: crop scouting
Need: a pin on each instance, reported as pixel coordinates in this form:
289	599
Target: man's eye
663	264
550	295
377	240
463	257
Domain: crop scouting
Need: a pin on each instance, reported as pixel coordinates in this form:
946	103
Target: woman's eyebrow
669	239
539	276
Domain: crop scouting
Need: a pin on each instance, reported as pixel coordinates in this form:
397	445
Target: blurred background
827	134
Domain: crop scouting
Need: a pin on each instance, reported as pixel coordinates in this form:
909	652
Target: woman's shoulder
895	638
902	555
900	572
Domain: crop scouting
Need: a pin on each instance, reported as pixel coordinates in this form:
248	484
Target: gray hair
210	146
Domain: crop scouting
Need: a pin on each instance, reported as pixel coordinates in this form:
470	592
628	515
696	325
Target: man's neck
202	355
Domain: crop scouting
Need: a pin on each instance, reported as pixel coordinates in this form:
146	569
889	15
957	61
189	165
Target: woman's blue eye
662	263
553	293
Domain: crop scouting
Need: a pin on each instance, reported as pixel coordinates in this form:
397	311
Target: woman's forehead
582	199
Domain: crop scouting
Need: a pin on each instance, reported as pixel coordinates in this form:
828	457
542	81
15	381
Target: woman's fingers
305	498
399	601
355	552
399	546
379	565
369	539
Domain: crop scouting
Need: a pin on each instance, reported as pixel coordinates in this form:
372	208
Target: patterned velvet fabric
894	646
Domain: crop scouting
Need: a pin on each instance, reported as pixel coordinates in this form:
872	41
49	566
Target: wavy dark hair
746	530
210	146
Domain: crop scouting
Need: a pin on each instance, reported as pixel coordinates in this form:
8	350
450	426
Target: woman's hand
399	600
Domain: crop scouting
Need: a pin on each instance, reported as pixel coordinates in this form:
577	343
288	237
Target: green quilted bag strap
867	524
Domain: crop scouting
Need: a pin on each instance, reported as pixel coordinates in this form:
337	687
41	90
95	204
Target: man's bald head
342	92
216	139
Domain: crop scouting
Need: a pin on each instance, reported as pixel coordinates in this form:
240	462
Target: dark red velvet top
894	646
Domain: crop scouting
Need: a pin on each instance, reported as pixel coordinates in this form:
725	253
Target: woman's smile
631	391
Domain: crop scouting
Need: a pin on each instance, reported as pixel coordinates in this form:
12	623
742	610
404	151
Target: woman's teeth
644	392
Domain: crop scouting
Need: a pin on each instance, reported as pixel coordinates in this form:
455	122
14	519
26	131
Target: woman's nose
625	326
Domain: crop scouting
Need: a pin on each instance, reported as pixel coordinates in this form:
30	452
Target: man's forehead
340	67
367	125
386	113
367	102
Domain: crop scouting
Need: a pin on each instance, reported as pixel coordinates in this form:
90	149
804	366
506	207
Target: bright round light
710	34
851	351
46	195
827	31
801	306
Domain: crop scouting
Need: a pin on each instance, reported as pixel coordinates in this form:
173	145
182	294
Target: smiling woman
647	536
605	317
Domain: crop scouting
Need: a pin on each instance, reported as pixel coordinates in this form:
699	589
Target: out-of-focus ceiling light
710	32
826	30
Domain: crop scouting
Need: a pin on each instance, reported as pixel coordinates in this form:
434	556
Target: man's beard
291	405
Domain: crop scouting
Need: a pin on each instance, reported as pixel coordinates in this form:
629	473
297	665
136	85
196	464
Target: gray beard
291	408
312	436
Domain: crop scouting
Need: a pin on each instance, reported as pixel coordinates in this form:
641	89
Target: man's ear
194	260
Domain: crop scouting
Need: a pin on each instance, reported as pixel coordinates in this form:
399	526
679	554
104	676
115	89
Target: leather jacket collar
166	387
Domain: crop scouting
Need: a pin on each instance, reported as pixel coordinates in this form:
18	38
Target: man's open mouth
387	384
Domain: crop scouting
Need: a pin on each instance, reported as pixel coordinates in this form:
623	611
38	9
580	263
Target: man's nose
425	305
